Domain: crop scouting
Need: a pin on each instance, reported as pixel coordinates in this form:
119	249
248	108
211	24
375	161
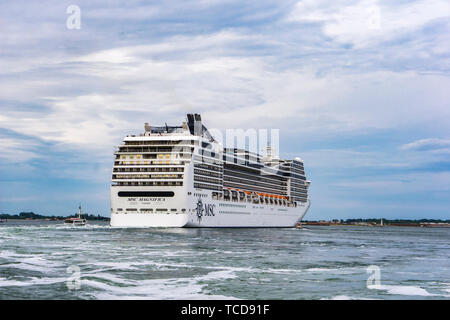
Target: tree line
32	215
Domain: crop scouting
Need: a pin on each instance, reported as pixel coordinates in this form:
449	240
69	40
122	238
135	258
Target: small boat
78	221
3	220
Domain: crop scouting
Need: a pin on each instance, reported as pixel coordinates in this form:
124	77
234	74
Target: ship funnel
147	127
195	124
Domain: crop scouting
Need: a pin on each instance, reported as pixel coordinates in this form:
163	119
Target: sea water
49	260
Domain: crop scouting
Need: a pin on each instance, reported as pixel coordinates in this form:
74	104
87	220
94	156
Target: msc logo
204	209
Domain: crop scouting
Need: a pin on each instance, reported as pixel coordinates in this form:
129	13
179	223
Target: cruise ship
180	176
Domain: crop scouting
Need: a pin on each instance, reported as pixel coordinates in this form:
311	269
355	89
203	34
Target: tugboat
79	221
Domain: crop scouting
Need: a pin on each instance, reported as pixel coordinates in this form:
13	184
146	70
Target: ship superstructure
180	176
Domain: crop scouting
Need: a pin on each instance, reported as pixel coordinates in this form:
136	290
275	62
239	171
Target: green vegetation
390	221
32	216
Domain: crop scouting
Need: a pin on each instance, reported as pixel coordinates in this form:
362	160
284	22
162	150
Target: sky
359	89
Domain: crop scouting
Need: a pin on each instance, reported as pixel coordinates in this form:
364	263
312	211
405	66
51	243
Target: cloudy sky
359	89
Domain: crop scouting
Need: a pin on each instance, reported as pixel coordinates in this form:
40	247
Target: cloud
90	101
367	22
428	144
17	150
401	183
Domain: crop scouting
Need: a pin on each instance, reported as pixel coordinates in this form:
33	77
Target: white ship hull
201	211
251	216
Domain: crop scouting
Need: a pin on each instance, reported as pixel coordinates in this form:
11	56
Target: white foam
447	289
216	275
29	262
39	261
132	265
115	265
402	290
25	266
174	288
109	277
8	254
320	269
283	271
344	297
31	282
340	270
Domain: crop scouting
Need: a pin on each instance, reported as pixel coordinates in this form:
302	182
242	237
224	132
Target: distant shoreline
410	223
56	220
372	222
34	216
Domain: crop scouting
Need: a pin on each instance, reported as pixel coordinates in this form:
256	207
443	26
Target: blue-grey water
314	263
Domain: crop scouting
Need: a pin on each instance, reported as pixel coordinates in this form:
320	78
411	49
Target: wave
402	290
172	288
344	297
30	282
342	270
60	226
